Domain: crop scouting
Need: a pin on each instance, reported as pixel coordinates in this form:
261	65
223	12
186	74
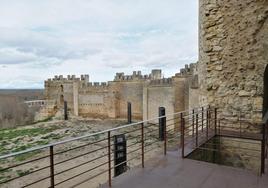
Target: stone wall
92	102
146	93
233	52
158	93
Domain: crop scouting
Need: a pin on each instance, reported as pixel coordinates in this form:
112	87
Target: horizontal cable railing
70	165
77	161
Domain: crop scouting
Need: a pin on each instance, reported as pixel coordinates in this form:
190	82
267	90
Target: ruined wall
233	53
63	89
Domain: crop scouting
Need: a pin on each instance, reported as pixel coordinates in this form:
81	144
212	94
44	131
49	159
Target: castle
109	100
231	72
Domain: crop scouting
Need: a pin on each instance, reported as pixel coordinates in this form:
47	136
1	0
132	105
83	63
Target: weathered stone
238	35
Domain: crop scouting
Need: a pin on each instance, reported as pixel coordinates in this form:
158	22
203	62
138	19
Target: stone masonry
233	53
109	100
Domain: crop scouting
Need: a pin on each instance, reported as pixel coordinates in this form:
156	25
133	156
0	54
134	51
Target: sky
43	38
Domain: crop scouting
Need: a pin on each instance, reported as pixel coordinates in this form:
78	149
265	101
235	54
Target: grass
8	134
3	150
22	172
4	178
52	136
6	170
25	156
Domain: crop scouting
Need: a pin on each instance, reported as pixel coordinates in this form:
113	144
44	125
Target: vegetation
23	173
11	140
7	134
26	156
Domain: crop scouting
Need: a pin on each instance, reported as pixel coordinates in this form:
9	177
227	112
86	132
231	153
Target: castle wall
130	92
193	89
55	90
94	100
233	52
146	93
158	93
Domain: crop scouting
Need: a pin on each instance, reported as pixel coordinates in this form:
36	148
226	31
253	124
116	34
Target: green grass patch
3	171
4	178
23	172
26	156
52	136
14	133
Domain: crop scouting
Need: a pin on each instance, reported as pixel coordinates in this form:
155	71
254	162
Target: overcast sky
43	38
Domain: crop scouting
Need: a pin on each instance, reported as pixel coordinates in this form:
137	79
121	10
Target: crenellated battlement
94	85
161	82
83	77
137	75
187	70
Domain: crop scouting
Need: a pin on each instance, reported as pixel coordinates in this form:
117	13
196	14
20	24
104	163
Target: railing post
193	123
266	139
207	122
109	160
142	145
209	117
181	128
263	150
161	113
165	137
240	123
202	119
51	154
215	120
219	126
196	131
129	113
182	135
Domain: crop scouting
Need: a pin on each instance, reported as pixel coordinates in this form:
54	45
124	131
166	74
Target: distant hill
23	94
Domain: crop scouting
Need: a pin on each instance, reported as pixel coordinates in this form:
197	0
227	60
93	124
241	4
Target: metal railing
76	161
202	125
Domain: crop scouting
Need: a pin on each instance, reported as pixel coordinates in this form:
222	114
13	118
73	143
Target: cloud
99	37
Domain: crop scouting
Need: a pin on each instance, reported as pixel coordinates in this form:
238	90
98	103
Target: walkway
173	172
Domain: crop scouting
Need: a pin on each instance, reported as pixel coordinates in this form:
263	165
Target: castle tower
156	74
233	52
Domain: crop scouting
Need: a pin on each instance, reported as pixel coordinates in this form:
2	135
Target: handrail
97	133
83	137
201	128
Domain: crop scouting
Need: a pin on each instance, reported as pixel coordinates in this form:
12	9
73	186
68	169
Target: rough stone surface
233	52
109	100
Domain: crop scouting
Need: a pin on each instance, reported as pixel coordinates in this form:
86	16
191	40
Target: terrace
228	152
